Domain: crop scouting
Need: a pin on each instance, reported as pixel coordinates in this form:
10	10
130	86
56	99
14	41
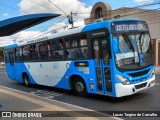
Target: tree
1	54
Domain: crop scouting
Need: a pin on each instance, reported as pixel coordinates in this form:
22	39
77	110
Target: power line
12	7
124	16
58	7
124	7
91	18
66	13
64	17
41	5
76	13
110	12
73	13
25	11
135	4
137	13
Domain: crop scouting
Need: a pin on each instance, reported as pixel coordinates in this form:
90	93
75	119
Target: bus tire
79	87
26	80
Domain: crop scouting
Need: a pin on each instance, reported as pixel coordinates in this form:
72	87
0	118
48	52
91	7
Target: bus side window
83	45
68	50
57	49
35	52
80	48
53	48
60	48
11	58
49	50
105	50
75	50
18	54
42	51
6	56
60	44
57	55
76	47
26	53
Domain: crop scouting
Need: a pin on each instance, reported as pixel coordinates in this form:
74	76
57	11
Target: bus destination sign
131	26
126	27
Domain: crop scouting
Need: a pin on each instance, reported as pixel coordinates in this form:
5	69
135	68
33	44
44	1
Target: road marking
39	102
48	99
47	105
32	100
47	94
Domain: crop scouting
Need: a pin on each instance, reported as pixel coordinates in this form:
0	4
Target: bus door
101	52
10	68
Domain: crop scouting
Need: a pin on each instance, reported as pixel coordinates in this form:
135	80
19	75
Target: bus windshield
134	50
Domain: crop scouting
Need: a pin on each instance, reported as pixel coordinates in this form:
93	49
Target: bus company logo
6	114
141	79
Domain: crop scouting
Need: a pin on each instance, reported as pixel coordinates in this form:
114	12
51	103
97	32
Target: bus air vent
136	74
141	85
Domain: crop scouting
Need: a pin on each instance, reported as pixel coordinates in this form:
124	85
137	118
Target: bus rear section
9	54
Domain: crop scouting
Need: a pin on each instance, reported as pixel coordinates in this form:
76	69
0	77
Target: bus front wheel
26	80
79	87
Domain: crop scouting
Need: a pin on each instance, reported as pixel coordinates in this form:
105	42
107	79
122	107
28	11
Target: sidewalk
157	69
1	67
14	103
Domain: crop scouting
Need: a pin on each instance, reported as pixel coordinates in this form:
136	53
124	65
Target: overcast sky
13	8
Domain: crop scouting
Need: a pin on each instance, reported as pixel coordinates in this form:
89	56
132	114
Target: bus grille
139	73
141	85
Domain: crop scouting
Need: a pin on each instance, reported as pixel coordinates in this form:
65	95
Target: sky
13	8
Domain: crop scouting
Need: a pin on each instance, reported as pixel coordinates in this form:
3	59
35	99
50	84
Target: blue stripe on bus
10	46
19	68
64	82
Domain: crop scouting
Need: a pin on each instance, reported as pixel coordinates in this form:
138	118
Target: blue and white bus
109	58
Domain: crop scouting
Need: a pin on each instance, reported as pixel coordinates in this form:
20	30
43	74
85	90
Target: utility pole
70	20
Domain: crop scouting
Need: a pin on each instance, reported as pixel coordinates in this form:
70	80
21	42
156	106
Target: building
103	11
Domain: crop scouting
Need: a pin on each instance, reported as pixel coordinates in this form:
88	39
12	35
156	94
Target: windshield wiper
140	42
128	42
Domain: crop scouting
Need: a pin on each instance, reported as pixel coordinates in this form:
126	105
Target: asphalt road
148	100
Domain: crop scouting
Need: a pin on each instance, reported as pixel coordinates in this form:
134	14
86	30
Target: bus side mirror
115	46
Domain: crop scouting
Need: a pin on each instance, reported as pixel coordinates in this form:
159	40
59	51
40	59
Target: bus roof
100	25
70	31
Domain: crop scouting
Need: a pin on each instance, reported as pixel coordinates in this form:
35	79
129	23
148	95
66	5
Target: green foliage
1	54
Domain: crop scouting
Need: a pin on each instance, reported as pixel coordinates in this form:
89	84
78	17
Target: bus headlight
152	73
123	80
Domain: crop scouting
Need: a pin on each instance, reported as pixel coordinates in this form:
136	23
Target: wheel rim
79	87
26	80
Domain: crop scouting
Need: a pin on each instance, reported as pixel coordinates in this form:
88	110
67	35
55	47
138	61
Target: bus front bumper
124	90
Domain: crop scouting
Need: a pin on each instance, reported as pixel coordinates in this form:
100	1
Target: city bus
112	57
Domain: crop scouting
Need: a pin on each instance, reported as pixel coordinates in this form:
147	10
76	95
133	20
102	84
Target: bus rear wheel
26	80
79	87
